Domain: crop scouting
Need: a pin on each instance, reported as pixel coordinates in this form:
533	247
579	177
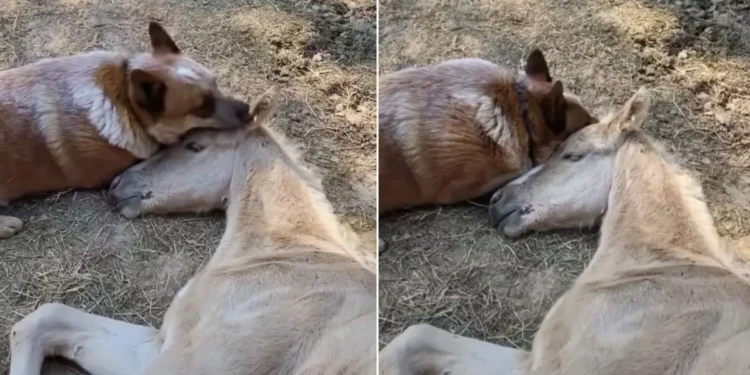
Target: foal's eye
194	147
572	157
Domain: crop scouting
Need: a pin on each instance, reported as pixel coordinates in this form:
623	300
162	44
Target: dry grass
321	52
445	266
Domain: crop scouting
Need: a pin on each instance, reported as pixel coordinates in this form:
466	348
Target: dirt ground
445	265
321	52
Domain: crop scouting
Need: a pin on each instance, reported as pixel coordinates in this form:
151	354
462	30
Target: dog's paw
9	226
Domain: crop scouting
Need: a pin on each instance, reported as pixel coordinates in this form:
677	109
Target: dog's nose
242	111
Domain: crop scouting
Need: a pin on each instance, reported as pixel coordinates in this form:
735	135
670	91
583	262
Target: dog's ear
263	107
553	107
148	91
161	42
536	66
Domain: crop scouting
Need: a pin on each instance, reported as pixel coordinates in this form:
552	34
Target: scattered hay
445	266
73	250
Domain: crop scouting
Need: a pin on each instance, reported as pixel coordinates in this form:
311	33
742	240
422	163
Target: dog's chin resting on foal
287	290
663	294
75	122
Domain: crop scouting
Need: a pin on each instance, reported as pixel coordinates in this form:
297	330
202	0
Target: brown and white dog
77	121
463	128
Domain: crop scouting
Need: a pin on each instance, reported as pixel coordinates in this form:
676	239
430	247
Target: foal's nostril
115	182
496	197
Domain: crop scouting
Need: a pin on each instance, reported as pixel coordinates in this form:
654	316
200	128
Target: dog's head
171	93
561	112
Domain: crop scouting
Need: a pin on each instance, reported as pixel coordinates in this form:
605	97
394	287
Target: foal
662	294
286	292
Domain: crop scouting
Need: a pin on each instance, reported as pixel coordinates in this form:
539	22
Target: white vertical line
377	184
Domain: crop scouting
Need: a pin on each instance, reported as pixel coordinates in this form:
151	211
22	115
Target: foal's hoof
9	226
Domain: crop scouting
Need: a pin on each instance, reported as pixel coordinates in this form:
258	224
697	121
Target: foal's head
571	188
194	175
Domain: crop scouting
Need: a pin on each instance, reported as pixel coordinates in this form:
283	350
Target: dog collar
523	102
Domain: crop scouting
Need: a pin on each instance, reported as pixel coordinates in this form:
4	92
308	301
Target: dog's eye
207	107
194	147
572	157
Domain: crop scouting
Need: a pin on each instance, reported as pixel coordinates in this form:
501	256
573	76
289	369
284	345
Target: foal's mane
690	191
346	240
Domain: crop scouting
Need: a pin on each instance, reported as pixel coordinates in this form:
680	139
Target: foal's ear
634	112
263	107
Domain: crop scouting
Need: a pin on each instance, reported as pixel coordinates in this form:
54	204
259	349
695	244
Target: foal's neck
277	204
656	214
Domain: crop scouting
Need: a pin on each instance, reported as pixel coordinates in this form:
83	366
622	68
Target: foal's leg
424	349
100	345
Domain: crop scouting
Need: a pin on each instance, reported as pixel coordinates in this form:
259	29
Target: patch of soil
444	265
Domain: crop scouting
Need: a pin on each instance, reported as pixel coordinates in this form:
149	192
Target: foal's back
681	319
296	312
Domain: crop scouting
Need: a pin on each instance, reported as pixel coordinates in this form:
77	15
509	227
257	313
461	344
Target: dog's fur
456	131
77	121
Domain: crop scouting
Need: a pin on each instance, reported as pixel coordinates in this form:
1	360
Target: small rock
353	118
706	161
723	19
334	97
703	96
339	107
723	117
318	57
382	245
728	225
682	55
